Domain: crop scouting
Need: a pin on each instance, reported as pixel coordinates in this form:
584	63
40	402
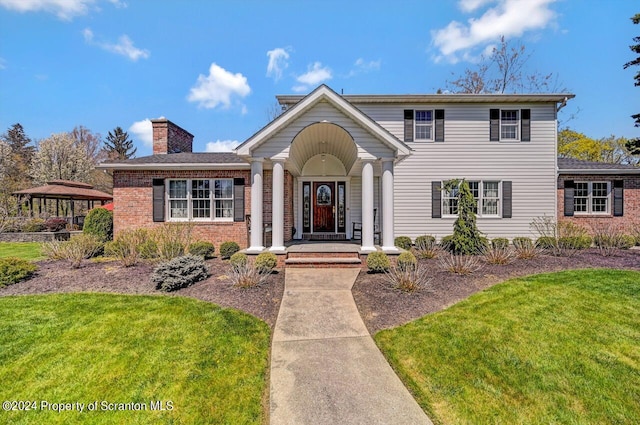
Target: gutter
175	166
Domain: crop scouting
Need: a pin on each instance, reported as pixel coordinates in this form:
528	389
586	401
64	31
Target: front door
324	202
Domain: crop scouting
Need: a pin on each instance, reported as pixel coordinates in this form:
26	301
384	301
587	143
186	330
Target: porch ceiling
327	138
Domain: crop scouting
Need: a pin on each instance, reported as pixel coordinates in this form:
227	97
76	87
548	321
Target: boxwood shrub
499	243
238	260
202	248
266	262
227	249
403	242
407	261
522	242
378	262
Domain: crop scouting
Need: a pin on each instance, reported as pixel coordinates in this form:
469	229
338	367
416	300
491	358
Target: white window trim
479	214
432	125
517	124
589	211
212	200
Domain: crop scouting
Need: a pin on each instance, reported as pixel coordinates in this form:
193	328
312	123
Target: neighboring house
334	163
598	194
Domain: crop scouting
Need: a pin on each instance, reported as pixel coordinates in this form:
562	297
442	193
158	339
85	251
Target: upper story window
424	125
592	198
509	124
200	199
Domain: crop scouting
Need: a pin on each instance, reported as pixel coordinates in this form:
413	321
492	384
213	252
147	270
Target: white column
387	206
277	211
367	207
256	205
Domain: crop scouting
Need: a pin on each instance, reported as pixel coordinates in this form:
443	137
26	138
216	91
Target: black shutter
494	125
525	125
506	199
618	198
439	125
238	199
436	200
569	188
408	125
158	200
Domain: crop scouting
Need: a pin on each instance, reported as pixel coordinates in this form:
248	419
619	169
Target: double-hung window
485	193
591	198
509	124
200	199
424	125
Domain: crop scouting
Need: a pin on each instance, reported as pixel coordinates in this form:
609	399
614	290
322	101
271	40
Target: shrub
238	260
499	243
547	242
203	248
227	249
525	249
378	262
13	270
627	241
266	262
247	275
521	242
407	261
125	246
497	254
445	242
55	224
99	222
179	272
466	238
33	225
148	249
172	238
408	280
574	242
74	250
426	247
459	264
403	242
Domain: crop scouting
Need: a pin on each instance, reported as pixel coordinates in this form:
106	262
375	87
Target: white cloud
315	74
361	66
63	9
509	18
277	62
123	47
119	4
143	131
218	88
3	64
221	146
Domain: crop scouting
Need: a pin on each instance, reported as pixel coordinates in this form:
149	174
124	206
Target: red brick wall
170	138
631	202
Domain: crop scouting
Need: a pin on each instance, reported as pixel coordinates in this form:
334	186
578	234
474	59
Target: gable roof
182	160
578	166
322	93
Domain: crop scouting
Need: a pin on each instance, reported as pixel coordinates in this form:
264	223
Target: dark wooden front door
324	203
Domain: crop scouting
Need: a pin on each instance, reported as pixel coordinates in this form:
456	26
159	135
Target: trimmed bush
425	242
148	249
238	260
179	273
378	262
266	262
403	242
203	248
99	222
499	243
407	261
13	270
55	224
547	242
627	241
227	249
446	241
522	242
574	242
33	225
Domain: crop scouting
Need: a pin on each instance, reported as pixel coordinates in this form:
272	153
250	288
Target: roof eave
600	171
443	98
175	166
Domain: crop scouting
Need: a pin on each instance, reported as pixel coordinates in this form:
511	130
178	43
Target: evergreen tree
118	145
467	239
634	145
20	151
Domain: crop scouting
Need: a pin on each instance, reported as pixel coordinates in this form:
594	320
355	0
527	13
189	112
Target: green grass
552	348
209	362
27	250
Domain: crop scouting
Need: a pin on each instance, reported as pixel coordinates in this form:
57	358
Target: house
337	167
597	194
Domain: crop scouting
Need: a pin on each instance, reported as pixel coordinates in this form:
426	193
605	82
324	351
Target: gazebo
63	190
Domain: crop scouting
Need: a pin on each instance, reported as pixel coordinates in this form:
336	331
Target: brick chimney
170	138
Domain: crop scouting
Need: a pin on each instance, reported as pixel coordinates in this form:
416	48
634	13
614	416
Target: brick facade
631	192
170	138
133	191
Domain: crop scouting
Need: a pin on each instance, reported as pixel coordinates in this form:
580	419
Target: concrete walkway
325	367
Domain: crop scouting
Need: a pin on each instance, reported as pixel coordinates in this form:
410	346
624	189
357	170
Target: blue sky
214	67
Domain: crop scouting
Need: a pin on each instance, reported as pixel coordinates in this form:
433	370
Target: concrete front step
323	262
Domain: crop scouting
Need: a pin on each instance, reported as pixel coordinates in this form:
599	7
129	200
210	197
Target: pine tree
467	239
18	146
118	145
634	145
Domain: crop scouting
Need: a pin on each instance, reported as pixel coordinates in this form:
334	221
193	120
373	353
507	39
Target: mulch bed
382	306
262	301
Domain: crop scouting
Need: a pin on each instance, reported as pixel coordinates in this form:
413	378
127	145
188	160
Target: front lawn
26	250
209	363
551	348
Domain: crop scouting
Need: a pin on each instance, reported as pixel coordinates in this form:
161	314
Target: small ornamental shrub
55	224
627	241
172	239
227	249
202	248
408	280
99	222
33	225
499	243
125	246
525	249
445	242
499	255
521	242
247	276
266	262
574	242
547	242
179	272
460	264
13	270
426	247
378	262
407	261
238	259
74	250
148	249
403	242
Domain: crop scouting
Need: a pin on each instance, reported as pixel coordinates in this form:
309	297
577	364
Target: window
424	125
591	198
200	199
486	194
509	123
